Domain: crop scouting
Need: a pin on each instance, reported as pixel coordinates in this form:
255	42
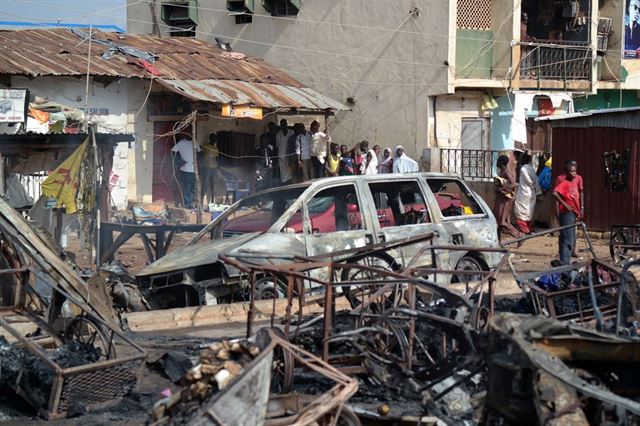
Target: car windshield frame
269	196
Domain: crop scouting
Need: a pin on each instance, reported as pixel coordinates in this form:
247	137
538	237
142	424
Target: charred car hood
190	256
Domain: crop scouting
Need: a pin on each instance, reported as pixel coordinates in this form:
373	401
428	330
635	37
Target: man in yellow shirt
209	168
332	165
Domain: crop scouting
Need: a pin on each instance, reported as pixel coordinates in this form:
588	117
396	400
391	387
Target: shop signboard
13	105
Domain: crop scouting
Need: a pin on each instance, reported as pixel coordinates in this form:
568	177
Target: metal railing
549	61
471	164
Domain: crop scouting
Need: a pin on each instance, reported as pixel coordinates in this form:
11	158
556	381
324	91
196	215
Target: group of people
287	155
519	197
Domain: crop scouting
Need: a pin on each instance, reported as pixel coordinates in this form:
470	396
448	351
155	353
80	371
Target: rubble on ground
405	349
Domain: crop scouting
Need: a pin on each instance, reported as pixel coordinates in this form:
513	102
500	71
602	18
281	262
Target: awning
262	95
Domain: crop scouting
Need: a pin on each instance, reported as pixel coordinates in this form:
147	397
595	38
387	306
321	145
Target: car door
464	217
402	212
335	221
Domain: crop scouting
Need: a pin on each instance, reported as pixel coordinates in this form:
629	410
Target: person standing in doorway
319	142
570	208
284	153
505	195
209	168
303	151
184	147
526	196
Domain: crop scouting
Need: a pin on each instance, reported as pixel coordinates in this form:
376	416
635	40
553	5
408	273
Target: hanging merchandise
616	170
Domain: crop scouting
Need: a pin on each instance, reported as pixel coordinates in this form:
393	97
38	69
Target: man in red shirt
568	194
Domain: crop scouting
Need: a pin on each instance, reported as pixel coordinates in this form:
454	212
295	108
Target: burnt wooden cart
624	243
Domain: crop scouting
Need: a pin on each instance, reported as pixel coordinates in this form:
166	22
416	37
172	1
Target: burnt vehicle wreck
320	217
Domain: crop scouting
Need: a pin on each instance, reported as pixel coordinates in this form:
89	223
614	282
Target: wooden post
96	186
198	195
2	182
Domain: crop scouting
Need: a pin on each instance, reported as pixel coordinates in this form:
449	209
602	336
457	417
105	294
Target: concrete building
443	74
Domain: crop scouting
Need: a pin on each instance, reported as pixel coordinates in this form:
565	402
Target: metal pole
196	170
96	186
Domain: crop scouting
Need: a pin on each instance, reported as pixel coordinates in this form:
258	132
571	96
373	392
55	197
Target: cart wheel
86	330
618	254
381	261
283	365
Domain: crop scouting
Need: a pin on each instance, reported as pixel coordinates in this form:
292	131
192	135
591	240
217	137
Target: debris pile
22	368
219	364
542	371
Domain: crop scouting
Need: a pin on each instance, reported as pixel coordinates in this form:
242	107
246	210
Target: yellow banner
63	182
241	112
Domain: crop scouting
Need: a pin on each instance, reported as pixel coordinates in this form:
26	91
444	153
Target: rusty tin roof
228	77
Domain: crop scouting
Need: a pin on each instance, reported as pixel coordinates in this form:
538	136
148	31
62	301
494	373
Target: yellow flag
63	182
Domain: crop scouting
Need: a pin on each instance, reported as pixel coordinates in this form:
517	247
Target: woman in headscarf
371	167
386	166
402	163
505	193
528	190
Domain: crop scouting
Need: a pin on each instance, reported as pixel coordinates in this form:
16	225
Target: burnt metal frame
299	266
543	300
21	308
634	244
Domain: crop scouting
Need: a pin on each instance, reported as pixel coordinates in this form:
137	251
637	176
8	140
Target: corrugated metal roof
61	52
622	118
256	94
207	72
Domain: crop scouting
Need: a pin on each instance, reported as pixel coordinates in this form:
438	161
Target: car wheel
468	264
268	288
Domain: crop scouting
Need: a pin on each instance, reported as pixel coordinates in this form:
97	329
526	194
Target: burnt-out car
321	217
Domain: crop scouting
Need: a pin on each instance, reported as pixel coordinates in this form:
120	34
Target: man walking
282	140
184	147
570	204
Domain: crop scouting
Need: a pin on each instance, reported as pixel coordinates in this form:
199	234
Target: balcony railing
549	61
471	164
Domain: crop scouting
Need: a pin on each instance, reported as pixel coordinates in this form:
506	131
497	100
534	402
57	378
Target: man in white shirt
282	141
319	143
184	147
303	151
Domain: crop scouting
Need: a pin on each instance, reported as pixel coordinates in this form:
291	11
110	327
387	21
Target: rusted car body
321	217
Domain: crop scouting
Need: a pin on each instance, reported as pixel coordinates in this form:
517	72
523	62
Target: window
399	203
242	10
259	213
453	198
181	16
281	7
335	209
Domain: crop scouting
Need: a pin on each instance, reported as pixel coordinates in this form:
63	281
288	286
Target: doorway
165	183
